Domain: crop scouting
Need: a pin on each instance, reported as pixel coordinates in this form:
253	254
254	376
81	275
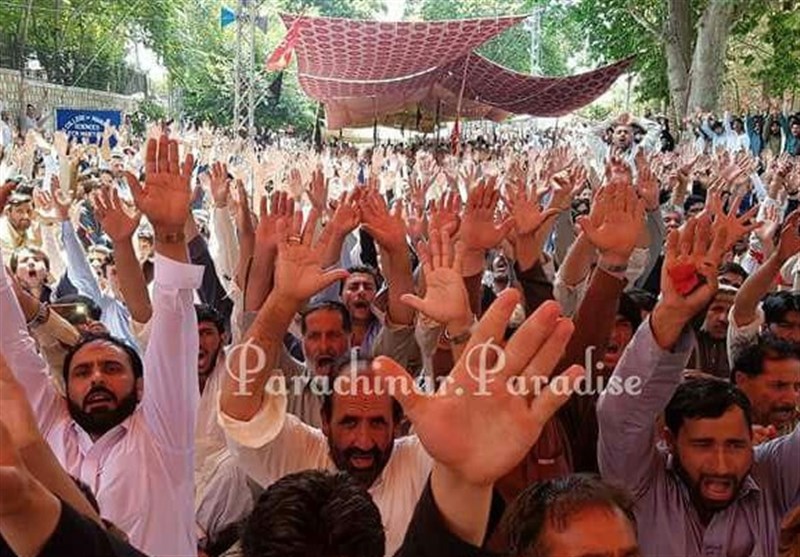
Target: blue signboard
86	123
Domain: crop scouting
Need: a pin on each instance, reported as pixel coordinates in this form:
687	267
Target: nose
363	439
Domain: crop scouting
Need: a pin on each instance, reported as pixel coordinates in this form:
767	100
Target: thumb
332	276
135	186
588	228
414	302
399	384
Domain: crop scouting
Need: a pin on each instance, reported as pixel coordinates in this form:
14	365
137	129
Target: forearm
578	262
464	508
753	290
28	530
333	251
259	280
43	465
264	339
399	281
132	284
78	268
223	247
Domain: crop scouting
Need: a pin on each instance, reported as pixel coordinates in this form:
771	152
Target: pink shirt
142	470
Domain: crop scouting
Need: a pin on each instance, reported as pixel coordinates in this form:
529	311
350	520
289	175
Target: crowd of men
559	345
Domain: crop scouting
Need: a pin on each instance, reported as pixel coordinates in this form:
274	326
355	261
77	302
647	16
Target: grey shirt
668	523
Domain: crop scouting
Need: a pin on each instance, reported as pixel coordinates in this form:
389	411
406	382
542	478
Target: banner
87	123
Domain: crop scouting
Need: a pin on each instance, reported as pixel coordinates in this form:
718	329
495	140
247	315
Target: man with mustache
127	426
17	228
711	492
768	373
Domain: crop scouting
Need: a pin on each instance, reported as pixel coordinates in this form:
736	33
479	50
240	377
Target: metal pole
251	80
237	78
23	60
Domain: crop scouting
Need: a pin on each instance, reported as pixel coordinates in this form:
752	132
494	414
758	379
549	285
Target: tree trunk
708	61
678	50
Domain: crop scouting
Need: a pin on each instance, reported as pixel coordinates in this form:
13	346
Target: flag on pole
455	137
226	16
282	55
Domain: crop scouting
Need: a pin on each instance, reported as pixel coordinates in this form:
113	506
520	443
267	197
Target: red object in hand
684	277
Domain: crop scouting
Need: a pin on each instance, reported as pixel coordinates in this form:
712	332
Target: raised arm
120	224
171	392
650	369
298	276
762	281
470	459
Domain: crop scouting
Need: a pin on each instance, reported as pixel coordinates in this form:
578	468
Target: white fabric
141	470
274	444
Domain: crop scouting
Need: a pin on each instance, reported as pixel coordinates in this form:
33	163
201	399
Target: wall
47	97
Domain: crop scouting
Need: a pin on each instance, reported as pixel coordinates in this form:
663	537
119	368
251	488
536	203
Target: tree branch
643	21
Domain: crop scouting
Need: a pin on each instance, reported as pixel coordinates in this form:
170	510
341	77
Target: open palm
496	426
115	220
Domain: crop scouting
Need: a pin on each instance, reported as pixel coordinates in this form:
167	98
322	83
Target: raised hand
62	201
736	227
789	244
479	228
387	227
166	194
446	300
688	278
347	214
115	220
317	191
219	184
5	192
497	424
646	182
566	185
444	214
525	209
298	269
271	222
617	222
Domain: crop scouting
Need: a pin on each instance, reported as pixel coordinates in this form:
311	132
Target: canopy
367	71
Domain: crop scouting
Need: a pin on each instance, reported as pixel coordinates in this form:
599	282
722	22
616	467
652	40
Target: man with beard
358	295
16	225
768	373
710	493
358	430
711	353
127	427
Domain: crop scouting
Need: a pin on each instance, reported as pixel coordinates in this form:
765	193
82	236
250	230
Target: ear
326	425
670	440
225	338
139	389
740	379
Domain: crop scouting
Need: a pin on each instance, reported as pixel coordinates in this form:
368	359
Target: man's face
713	455
500	269
788	328
695	209
737	126
145	248
716	323
117	167
795	129
622	137
592	531
621	335
106	179
20	216
672	221
324	341
731	279
775	394
210	344
101	389
31	269
361	434
96	260
775	128
358	294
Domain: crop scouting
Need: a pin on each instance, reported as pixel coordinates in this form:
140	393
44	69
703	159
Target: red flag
282	55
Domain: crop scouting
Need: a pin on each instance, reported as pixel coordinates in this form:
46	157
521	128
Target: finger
530	337
492	326
546	359
447	249
297	224
425	258
588	228
135	187
404	388
188	167
414	302
687	237
330	277
262	208
310	227
458	259
435	245
556	394
150	165
162	161
172	157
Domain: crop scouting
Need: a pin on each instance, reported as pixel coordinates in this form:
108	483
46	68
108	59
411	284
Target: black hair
777	304
704	397
644	299
552	503
94	311
693	199
750	358
731	267
136	362
329	305
13	261
364	270
630	311
363	367
209	314
314	513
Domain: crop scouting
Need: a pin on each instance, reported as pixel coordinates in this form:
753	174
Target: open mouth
362	462
98	399
717	489
325	364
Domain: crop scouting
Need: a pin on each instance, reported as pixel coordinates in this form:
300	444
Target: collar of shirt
110	437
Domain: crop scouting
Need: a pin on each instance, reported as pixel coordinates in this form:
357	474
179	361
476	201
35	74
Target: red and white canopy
366	70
